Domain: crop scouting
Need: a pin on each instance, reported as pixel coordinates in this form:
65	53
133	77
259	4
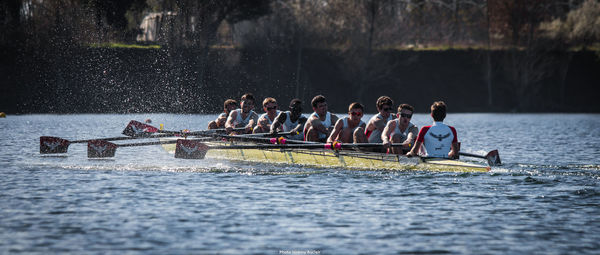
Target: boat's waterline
346	159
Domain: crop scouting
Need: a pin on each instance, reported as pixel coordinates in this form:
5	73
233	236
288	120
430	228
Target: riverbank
123	80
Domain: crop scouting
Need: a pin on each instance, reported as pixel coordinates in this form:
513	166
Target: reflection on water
544	199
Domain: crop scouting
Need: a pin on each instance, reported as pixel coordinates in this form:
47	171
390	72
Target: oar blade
101	149
190	149
493	158
138	129
50	145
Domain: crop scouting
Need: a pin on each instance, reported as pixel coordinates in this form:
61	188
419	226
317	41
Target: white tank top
345	122
326	123
238	122
403	134
264	115
288	125
375	136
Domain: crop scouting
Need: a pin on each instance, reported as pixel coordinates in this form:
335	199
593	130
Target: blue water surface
545	199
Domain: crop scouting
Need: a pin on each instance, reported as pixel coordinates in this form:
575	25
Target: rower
377	123
440	140
290	121
228	106
266	119
400	130
243	117
319	123
350	129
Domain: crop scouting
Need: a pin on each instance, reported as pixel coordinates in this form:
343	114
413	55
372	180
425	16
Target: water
544	200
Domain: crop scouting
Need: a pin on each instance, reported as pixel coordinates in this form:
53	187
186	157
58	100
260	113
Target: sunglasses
405	115
356	113
271	108
387	109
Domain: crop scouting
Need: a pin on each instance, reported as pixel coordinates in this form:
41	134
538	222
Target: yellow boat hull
341	159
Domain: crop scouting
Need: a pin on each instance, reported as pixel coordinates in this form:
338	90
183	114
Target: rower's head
270	105
438	111
405	112
385	105
247	102
296	106
355	111
319	104
229	105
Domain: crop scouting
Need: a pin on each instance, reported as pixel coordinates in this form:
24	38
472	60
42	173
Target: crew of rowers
437	140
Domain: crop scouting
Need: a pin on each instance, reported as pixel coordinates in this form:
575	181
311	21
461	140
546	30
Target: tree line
341	24
539	37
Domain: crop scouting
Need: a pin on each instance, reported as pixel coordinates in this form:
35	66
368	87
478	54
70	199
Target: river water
545	199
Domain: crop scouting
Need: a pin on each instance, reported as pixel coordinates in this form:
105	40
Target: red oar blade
493	158
138	129
101	149
190	149
50	144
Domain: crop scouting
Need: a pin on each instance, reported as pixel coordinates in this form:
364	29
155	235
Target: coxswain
350	129
228	106
266	119
400	130
290	121
320	123
377	123
440	140
244	117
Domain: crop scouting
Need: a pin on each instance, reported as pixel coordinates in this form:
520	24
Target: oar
104	148
196	149
134	130
51	144
269	134
138	129
492	157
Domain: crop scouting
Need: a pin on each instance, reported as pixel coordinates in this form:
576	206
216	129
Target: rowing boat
260	148
347	159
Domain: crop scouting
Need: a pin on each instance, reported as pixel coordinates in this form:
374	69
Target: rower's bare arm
221	121
336	131
411	137
453	151
279	120
229	123
300	126
385	135
371	126
380	124
316	123
252	122
415	150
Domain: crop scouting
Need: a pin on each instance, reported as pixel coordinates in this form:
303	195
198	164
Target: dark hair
438	110
248	96
317	99
295	101
407	107
356	105
383	100
227	103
